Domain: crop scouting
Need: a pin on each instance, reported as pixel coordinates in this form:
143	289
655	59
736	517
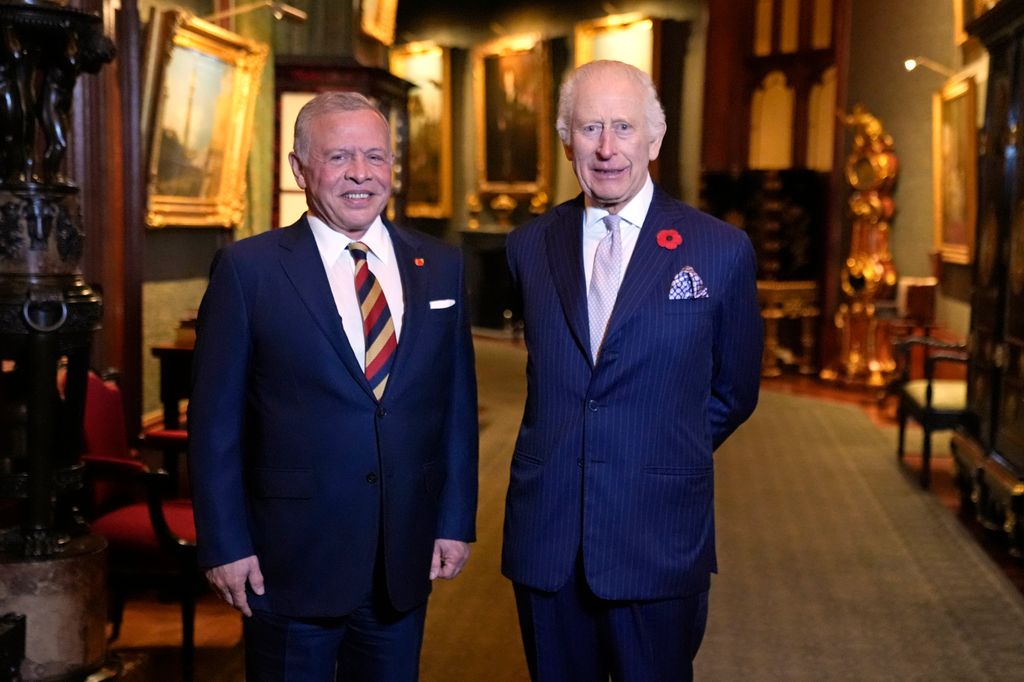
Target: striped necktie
378	327
604	282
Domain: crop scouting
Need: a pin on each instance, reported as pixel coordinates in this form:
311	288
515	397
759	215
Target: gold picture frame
377	19
428	184
512	85
954	158
200	86
629	38
963	12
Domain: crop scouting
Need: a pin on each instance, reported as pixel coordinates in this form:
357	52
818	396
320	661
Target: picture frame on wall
377	19
954	154
512	83
963	12
199	92
629	38
429	164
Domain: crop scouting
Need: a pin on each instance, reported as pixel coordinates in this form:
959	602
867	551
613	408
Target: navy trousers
574	636
374	643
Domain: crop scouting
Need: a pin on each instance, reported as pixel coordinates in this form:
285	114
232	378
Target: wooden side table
795	300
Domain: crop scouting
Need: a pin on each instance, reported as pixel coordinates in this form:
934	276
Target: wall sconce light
930	64
280	10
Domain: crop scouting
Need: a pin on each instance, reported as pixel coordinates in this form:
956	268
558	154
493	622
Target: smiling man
644	341
333	422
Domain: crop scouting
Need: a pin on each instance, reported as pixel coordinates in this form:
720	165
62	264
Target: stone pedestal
64	601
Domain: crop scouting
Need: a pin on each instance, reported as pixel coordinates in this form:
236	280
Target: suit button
371	478
381	412
592	405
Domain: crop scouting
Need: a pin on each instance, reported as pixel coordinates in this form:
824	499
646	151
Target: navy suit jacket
615	460
291	456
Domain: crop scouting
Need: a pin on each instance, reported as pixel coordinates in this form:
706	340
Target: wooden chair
935	403
151	537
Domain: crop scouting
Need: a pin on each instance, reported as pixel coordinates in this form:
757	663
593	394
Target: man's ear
655	145
296	165
567	148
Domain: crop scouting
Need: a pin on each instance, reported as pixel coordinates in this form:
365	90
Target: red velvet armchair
151	538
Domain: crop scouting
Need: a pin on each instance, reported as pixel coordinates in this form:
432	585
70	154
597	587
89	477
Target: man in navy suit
644	340
333	419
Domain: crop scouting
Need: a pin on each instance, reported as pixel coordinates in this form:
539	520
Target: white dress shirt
633	215
381	260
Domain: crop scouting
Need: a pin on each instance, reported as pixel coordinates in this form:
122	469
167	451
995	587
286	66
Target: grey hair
329	103
653	111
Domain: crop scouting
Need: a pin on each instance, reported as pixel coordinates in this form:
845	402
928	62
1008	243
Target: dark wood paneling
106	162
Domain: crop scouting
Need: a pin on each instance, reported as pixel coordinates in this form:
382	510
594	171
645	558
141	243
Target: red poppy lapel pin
670	239
418	262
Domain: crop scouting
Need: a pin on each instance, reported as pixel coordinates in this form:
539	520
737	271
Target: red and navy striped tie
378	326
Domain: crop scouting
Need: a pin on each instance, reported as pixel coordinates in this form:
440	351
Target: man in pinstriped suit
645	341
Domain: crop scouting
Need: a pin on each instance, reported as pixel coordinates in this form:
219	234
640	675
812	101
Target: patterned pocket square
687	285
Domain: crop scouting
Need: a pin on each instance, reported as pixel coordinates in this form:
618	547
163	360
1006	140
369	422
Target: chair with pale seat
937	404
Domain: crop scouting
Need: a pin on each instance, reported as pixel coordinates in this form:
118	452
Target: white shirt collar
633	213
332	243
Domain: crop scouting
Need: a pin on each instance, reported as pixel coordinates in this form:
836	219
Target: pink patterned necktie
378	327
604	282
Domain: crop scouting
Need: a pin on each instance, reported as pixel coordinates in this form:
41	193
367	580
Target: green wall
884	34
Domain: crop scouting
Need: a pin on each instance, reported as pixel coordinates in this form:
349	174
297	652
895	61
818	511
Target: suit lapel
565	259
414	291
302	264
649	265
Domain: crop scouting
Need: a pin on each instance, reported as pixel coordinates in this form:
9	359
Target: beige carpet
834	564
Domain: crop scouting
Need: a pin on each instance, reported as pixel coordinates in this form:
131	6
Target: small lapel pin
418	262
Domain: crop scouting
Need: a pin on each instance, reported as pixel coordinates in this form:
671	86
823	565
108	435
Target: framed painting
377	19
200	92
626	38
512	83
979	7
963	12
954	159
429	164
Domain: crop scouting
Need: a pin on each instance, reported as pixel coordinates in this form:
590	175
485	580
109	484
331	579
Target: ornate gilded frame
429	163
954	159
526	109
377	19
630	38
198	128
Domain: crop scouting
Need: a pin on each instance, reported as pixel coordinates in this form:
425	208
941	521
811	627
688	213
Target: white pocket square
442	303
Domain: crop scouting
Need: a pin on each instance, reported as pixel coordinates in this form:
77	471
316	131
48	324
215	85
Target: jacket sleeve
457	519
739	346
216	417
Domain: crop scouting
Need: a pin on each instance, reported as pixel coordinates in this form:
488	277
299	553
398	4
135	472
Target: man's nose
605	145
358	170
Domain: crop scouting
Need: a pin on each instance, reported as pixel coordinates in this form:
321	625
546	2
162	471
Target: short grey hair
329	103
653	111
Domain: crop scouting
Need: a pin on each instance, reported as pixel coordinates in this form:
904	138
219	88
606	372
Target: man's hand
229	580
449	558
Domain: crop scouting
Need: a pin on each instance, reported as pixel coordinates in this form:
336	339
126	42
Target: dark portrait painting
512	85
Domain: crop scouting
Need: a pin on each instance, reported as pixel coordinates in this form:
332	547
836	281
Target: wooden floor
151	631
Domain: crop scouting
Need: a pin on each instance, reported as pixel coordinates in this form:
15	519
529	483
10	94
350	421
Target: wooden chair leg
902	416
115	612
188	629
926	459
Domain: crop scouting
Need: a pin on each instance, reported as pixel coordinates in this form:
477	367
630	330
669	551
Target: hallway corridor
834	564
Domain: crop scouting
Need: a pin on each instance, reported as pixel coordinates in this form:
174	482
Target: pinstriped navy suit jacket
616	459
